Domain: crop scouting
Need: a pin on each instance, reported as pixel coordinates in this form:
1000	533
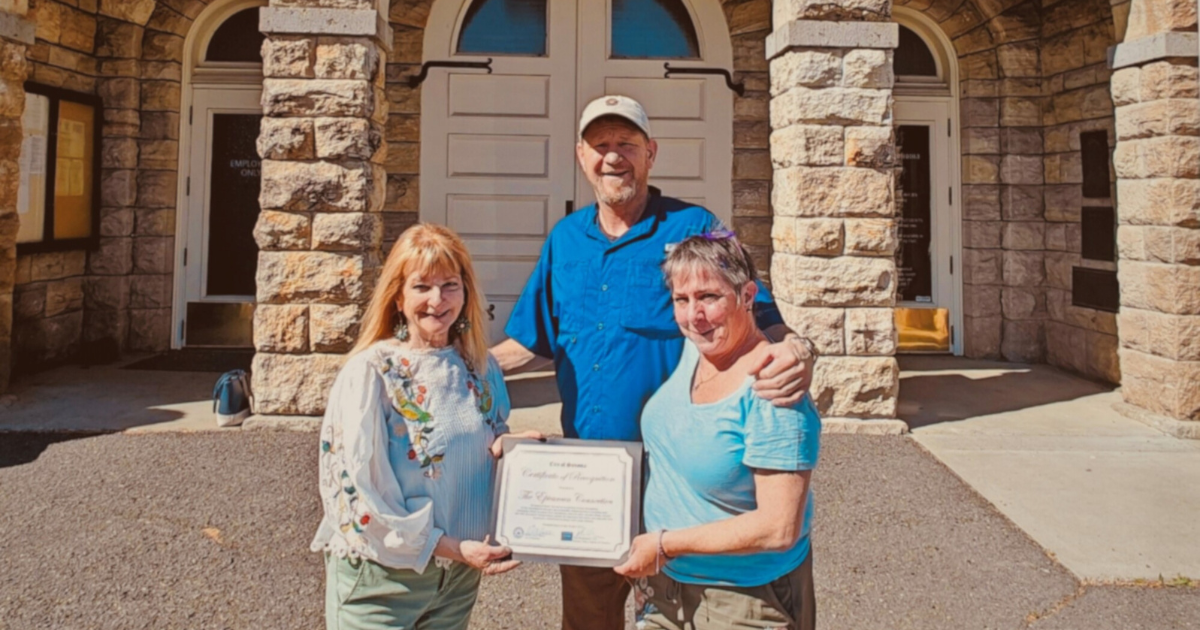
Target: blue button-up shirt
601	310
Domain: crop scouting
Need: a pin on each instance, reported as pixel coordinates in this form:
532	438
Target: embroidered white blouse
405	453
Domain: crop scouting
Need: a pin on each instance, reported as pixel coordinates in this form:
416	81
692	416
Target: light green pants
363	595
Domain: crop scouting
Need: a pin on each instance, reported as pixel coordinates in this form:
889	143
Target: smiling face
616	158
709	312
431	302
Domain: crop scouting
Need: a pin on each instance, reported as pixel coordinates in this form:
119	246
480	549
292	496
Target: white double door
498	150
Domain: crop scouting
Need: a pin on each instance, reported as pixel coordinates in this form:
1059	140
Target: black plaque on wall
1095	288
1099	234
1093	152
235	180
913	260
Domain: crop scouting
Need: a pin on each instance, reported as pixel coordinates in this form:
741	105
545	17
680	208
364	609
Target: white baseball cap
615	105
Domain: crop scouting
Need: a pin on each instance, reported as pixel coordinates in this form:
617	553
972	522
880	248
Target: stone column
1157	162
16	32
832	150
323	186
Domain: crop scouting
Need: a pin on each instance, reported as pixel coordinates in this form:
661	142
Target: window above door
653	29
504	27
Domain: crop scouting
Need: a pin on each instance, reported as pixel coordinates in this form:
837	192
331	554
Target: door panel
220	255
926	285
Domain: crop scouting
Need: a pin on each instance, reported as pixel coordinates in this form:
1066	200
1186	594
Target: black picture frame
48	242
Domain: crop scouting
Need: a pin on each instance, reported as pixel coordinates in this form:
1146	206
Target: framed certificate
568	501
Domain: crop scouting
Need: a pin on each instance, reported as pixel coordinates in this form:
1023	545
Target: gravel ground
211	531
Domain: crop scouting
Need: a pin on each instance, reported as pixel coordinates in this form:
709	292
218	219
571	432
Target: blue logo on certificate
567	535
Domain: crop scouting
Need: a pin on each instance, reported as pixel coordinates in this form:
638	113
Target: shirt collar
644	226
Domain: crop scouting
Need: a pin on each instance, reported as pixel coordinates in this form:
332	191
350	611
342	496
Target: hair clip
719	235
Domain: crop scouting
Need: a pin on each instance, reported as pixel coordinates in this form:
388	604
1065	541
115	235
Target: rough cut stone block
981	203
1022	203
1024	235
1168	79
277	230
982	266
334	328
293	384
752	165
807	145
856	387
870	331
1024	269
871	147
1161	385
1125	84
1163	201
801	105
348	138
118	188
135	11
981	169
821	33
1024	341
824	326
811	237
281	328
322	186
64	296
1063	202
158	154
157	189
1159	118
982	234
288	57
120	93
150	291
153	254
981	300
808	68
1160	287
866	68
347	58
833	192
981	339
119	153
106	292
1174	337
1021	169
154	221
319	97
287	139
346	231
870	237
980	140
1022	303
1159	16
1172	156
842	281
117	39
114	257
302	277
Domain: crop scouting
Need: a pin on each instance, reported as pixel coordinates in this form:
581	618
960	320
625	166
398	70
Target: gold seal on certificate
568	501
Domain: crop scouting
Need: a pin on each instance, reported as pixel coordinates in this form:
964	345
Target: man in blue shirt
597	306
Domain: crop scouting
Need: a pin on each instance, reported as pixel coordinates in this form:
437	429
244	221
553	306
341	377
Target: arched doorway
929	261
216	257
497	150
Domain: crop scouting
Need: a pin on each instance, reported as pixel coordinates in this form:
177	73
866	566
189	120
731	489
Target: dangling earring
462	325
401	330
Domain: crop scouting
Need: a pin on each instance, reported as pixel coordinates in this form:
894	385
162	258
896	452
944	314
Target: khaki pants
593	598
363	595
788	602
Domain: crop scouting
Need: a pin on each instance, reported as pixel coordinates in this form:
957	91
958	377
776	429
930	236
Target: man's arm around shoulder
515	358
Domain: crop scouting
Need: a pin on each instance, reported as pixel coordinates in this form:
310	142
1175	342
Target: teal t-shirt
701	469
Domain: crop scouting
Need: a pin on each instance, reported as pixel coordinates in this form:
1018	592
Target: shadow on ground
935	389
17	449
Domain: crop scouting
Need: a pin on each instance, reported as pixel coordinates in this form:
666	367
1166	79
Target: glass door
926	300
221	257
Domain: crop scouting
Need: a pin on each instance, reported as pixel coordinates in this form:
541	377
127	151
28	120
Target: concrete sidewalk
1111	498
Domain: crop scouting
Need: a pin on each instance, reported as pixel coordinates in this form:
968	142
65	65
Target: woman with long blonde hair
408	445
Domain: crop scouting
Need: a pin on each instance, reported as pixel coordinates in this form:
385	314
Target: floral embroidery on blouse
351	519
407	398
483	397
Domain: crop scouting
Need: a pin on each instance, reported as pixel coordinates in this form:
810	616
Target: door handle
491	312
569	206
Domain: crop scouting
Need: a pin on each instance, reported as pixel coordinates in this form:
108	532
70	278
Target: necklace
698	381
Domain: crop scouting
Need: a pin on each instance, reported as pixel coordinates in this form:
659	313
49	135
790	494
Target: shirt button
572	340
600	326
596	409
604	287
596	368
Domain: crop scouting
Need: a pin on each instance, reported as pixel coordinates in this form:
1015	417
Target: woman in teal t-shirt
727	507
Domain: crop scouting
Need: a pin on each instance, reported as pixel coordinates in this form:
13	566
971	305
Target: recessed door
221	257
926	288
498	150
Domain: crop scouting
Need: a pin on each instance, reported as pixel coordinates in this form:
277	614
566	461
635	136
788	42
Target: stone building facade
1035	90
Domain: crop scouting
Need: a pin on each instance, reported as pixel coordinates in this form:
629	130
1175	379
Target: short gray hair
717	252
